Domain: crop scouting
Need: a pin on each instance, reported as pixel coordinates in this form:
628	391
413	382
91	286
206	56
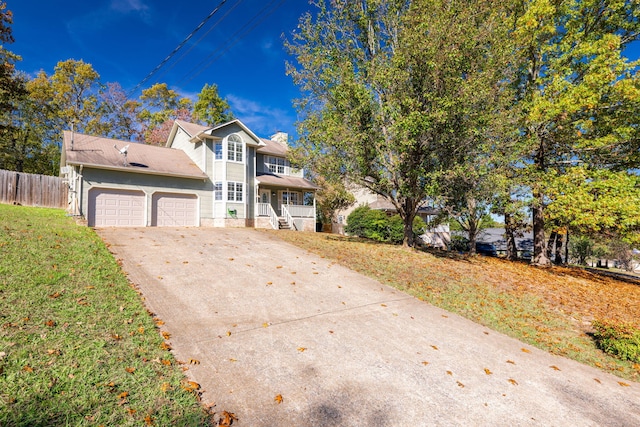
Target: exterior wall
193	150
235	172
250	184
149	184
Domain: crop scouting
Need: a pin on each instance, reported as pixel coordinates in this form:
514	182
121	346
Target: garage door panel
177	210
116	208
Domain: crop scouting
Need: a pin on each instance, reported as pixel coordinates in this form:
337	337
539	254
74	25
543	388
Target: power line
232	41
222	18
164	61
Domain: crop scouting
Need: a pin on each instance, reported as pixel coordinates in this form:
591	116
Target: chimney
281	137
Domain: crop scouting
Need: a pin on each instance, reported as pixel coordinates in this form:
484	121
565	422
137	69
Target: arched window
234	148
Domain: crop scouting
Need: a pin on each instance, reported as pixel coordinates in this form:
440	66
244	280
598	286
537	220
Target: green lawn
77	346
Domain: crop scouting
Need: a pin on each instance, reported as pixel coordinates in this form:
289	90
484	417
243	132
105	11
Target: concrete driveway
267	320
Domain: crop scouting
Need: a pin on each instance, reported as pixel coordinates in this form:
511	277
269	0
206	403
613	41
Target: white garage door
180	210
116	208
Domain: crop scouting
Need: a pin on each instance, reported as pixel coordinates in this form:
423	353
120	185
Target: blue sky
125	40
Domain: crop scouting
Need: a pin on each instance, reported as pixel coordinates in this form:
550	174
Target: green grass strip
77	346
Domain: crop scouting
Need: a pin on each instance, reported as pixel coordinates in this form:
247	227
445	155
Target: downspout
79	194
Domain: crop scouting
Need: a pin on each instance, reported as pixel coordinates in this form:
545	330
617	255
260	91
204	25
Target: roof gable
198	132
104	153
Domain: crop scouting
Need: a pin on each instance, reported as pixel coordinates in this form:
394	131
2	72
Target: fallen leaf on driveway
301	349
512	381
278	399
623	384
525	350
487	371
554	367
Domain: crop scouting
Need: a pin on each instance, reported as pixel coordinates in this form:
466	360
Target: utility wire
263	14
222	18
164	61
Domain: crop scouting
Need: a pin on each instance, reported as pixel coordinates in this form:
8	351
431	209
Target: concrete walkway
268	320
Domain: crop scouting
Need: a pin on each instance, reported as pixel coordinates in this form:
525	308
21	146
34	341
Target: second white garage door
179	210
116	208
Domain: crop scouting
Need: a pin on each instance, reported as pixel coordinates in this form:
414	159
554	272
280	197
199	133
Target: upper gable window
218	150
234	148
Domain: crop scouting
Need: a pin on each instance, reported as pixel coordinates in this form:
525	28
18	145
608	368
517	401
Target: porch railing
265	209
287	216
296	211
300	211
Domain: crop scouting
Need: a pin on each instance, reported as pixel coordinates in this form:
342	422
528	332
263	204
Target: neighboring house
496	236
222	176
437	236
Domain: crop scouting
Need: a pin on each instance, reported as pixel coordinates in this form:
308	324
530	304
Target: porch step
283	224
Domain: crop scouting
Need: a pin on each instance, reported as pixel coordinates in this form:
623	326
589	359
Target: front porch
289	217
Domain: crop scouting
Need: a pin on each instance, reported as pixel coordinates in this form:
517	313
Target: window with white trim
218	150
290	198
276	164
234	148
217	191
234	191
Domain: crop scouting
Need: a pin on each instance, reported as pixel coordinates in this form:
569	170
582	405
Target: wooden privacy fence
33	190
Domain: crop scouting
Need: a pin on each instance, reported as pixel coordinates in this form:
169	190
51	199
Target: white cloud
265	120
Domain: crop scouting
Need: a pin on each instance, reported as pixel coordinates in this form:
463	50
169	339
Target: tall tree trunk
540	257
558	249
510	235
410	210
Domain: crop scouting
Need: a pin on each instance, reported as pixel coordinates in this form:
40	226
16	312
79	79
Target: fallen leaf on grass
50	323
55	295
165	346
130	370
27	368
131	411
278	399
165	387
166	335
123	395
148	420
166	362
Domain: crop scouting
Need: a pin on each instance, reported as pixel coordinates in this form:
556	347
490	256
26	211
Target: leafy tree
69	98
159	107
210	109
397	92
330	198
579	95
13	154
596	201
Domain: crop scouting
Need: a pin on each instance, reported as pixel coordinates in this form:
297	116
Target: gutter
140	171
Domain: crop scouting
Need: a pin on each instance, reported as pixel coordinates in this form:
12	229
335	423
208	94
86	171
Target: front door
265	196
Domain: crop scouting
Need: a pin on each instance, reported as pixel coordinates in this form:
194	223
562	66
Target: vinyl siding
149	184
